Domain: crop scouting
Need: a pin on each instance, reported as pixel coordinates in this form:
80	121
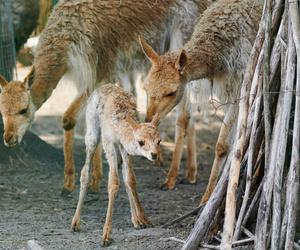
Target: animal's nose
154	156
9	139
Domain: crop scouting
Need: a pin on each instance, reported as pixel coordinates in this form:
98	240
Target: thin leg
97	170
220	151
69	169
113	187
138	216
84	181
91	142
191	166
69	121
70	115
181	125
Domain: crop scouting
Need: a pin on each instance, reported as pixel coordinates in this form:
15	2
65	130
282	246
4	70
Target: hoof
143	226
66	192
68	123
92	190
186	181
166	186
106	243
75	226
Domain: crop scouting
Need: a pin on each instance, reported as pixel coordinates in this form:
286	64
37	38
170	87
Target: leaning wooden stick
249	165
293	180
276	155
239	145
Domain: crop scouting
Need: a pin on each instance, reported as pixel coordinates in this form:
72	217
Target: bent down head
16	109
165	82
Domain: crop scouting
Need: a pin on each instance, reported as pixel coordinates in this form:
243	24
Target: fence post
7	44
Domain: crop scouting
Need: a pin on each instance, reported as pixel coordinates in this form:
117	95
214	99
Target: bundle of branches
255	200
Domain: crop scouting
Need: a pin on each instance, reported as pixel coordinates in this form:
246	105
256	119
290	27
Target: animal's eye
158	142
23	111
141	143
171	94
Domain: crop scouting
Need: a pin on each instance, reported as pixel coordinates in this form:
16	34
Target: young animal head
16	109
146	138
165	82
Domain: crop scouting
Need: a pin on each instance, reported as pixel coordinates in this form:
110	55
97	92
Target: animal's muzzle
10	140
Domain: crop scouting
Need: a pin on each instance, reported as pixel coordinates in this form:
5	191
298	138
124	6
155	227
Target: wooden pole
293	180
277	154
249	164
238	151
203	222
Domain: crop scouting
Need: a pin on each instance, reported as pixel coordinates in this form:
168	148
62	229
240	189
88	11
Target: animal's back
116	103
99	30
226	29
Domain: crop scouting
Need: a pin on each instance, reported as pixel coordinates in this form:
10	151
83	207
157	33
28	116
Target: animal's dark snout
9	139
154	156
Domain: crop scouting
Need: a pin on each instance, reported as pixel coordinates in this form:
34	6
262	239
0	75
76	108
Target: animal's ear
29	78
181	61
133	124
3	82
148	50
155	120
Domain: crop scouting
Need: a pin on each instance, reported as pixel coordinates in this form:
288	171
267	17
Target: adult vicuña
218	50
87	40
180	33
114	111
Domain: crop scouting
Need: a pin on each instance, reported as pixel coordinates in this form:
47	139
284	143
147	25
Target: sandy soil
31	178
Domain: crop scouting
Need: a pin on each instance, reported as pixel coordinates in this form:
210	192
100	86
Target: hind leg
84	181
191	165
97	170
91	143
220	151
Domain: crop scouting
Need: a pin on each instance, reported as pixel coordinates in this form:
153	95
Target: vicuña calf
218	50
114	111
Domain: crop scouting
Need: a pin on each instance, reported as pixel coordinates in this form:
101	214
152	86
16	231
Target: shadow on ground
31	207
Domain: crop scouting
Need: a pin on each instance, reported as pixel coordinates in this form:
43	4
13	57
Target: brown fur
99	31
218	50
105	27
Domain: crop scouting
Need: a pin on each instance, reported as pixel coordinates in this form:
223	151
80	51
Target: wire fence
7	43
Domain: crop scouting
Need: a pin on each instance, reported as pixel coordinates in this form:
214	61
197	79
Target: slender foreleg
181	126
69	121
191	165
138	216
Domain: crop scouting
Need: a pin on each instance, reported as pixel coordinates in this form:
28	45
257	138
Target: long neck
49	66
199	64
44	84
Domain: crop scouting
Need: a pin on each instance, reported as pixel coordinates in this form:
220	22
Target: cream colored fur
113	111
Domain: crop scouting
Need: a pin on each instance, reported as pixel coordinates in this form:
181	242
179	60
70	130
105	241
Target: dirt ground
31	178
